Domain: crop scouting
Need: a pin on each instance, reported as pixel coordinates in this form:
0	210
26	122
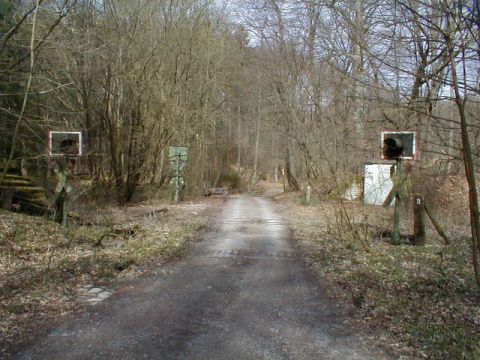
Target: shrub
231	179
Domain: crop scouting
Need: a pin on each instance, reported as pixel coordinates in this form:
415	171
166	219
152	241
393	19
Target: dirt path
241	293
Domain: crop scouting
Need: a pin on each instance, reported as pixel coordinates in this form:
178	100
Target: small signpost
178	157
400	145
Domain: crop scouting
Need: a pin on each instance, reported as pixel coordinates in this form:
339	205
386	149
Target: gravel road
241	293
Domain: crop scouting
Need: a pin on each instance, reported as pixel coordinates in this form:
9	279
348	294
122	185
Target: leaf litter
417	302
43	266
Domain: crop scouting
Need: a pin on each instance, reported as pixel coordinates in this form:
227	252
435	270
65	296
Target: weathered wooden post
66	147
178	156
63	169
419	221
396	215
393	149
397	194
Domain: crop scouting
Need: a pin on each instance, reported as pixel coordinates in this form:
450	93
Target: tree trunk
289	171
468	162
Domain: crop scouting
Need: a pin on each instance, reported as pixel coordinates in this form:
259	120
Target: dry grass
424	298
42	265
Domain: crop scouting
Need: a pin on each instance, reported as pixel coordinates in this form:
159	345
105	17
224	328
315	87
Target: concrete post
307	192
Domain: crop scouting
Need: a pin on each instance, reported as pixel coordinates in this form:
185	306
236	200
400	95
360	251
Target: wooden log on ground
34	209
153	214
18	177
130	231
21	193
42	201
216	191
121	233
27	194
15	182
24	189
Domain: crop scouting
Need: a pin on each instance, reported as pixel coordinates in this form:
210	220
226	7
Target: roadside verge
418	302
45	268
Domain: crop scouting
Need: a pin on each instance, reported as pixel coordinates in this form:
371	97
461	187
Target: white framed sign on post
65	143
407	140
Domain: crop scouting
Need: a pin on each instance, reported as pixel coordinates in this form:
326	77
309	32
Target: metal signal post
178	156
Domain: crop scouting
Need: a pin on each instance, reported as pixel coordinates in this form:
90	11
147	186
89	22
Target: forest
292	92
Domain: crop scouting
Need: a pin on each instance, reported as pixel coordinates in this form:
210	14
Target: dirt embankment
423	301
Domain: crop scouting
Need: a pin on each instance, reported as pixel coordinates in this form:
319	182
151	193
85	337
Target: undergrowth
42	264
424	297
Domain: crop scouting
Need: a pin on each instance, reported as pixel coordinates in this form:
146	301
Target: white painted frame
414	152
50	141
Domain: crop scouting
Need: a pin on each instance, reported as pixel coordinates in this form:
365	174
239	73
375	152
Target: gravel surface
241	293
